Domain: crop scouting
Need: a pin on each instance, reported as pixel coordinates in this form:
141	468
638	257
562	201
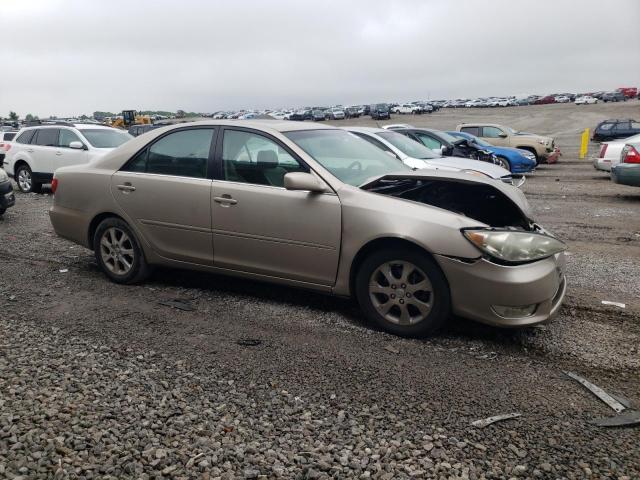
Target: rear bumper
602	164
477	287
626	174
70	224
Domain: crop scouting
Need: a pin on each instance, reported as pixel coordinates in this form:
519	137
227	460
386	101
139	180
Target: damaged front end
492	203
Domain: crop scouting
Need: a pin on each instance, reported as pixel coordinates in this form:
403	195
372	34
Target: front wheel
504	163
118	252
404	292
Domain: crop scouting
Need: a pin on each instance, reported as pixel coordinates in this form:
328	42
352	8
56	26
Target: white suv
37	152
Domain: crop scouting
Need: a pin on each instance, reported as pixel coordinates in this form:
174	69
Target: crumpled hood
512	193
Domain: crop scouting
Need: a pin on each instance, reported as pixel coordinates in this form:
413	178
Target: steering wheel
354	164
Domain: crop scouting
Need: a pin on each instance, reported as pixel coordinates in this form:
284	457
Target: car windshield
105	138
407	146
349	158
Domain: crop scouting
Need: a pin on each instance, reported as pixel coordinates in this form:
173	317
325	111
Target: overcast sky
67	57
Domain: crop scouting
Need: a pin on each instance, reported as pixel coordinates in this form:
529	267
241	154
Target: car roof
479	124
367	129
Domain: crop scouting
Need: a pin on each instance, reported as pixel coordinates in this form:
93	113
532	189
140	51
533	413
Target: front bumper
552	156
477	286
626	174
7	197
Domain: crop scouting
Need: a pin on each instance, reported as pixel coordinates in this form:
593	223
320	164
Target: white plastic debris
614	304
597	391
64	270
497	418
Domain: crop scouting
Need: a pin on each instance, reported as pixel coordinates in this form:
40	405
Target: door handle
58	153
127	187
30	150
225	200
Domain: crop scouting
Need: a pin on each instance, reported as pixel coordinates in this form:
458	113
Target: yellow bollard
584	143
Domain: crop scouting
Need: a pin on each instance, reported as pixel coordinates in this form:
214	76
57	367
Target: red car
629	92
544	100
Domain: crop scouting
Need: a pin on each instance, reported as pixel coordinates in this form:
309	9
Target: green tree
13	116
29	118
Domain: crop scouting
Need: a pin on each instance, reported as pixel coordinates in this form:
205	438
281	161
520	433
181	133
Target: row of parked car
620	95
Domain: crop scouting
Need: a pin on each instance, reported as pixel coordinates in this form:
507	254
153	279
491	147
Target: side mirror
77	145
443	150
303	181
502	135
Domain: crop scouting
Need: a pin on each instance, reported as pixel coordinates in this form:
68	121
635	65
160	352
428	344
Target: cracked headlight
514	247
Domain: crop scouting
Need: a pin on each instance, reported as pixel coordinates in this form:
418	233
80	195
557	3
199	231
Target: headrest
267	159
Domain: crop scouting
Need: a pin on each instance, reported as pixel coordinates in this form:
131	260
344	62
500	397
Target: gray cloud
72	56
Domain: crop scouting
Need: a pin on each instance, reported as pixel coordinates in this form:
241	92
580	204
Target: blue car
515	160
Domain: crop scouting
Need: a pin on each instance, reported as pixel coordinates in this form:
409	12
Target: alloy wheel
24	180
401	292
116	250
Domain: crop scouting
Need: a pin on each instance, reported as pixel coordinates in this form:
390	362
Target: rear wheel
404	292
118	252
24	179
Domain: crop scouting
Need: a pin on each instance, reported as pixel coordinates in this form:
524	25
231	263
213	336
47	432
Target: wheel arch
384	243
95	221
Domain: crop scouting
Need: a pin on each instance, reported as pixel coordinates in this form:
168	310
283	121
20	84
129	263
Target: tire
417	310
504	163
115	246
2	210
24	179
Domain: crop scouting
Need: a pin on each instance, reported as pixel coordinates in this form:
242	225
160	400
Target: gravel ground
99	380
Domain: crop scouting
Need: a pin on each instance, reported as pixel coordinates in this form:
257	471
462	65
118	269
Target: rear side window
183	154
47	137
635	125
25	137
9	136
622	126
475	131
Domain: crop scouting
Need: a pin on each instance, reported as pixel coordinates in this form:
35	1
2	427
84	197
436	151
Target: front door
493	136
65	155
166	193
259	226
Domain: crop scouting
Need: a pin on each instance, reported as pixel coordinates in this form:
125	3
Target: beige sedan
319	208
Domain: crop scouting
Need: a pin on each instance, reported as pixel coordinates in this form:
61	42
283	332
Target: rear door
258	225
65	155
622	130
43	152
165	191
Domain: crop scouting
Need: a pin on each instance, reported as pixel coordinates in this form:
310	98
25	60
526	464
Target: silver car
314	207
416	155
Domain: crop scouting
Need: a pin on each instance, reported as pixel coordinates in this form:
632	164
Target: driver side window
491	132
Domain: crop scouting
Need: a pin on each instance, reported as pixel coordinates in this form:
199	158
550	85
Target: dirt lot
99	380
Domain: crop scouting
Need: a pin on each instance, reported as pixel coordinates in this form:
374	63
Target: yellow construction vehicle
130	117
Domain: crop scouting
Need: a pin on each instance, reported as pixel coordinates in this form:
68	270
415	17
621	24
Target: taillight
54	185
603	149
630	155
